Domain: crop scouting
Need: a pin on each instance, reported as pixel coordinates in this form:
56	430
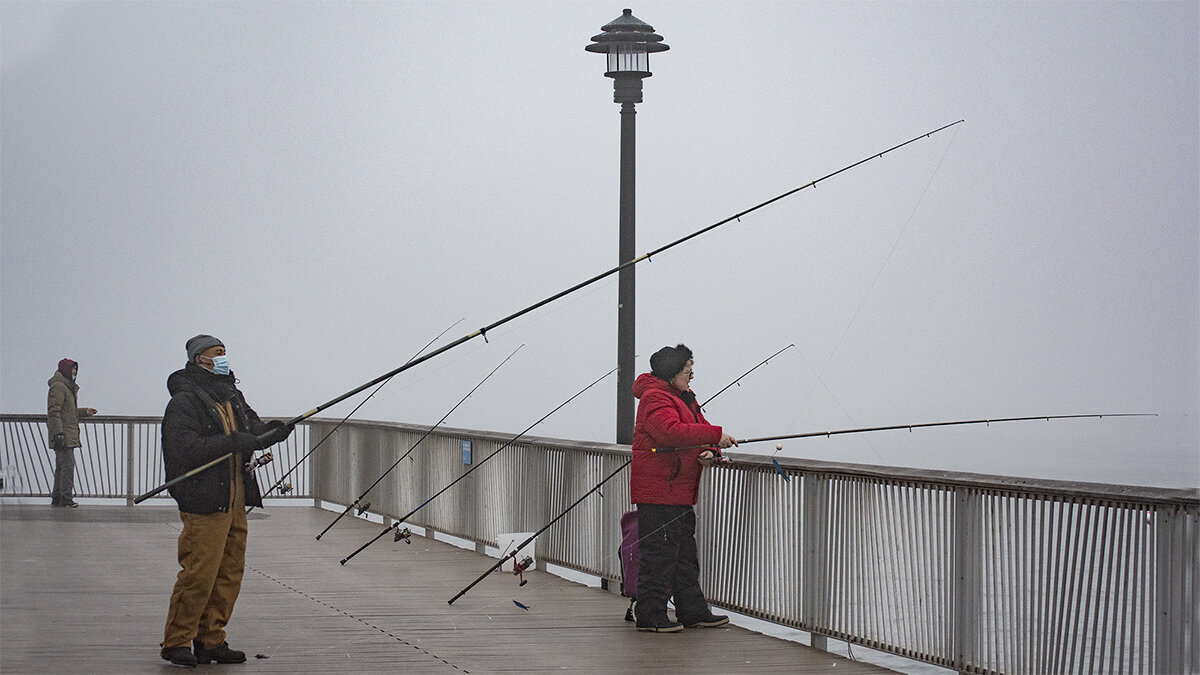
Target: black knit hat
668	361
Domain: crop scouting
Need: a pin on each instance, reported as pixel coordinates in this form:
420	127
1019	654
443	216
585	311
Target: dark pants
669	565
64	477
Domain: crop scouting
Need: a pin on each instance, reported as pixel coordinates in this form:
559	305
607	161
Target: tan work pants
212	555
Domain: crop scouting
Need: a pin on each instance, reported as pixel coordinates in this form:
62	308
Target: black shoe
179	656
710	621
221	654
663	625
71	505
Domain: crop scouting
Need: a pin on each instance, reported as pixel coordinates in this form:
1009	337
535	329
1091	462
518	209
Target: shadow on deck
85	591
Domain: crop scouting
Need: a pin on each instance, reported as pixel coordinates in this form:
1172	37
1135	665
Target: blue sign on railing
466	451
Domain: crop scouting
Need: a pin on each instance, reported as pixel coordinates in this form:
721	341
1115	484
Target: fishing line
871	289
866	439
361	620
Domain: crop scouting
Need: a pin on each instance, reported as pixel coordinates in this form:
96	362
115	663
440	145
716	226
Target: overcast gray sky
327	185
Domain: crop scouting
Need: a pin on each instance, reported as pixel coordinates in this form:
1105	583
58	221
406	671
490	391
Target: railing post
1175	620
130	488
814	533
965	552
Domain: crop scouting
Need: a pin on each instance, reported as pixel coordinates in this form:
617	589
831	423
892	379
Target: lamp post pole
626	295
627	41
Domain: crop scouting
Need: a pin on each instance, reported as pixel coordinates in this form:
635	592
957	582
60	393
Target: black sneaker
710	621
660	626
221	654
180	656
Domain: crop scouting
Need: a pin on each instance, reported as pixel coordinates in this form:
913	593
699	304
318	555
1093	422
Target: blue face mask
220	365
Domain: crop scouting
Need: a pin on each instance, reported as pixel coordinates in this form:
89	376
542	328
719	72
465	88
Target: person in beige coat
62	424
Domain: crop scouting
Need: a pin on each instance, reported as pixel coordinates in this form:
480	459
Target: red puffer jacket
666	420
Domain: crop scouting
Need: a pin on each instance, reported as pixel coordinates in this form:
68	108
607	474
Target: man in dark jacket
62	423
207	419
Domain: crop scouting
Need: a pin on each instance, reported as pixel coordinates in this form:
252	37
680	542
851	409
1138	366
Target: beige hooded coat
62	411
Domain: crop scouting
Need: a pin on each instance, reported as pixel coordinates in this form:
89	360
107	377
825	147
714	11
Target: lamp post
628	42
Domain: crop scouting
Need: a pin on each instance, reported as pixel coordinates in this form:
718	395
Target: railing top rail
123	419
498	436
1039	486
1013	484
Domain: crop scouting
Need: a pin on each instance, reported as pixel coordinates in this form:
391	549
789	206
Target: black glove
59	442
246	443
276	432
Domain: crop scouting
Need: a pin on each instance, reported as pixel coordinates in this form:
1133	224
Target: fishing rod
599	485
910	427
763	362
348	416
414	447
525	543
482	332
396	525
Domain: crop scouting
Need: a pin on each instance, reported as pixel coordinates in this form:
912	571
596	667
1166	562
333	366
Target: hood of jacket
59	378
646	382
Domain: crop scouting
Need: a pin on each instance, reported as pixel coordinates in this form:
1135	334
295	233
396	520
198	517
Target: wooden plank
85	591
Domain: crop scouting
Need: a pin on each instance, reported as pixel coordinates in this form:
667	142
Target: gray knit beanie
199	344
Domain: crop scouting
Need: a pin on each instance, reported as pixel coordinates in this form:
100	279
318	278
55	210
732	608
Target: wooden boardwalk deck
85	591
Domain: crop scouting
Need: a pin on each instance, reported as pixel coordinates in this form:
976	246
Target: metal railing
982	574
121	457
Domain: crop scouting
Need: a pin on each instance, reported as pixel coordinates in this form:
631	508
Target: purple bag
629	554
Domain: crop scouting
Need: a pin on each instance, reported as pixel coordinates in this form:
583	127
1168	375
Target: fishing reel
363	509
405	534
520	567
285	488
717	458
262	460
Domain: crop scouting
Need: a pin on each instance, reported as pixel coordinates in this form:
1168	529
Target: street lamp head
628	42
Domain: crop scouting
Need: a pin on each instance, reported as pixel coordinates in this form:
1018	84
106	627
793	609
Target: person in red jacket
672	443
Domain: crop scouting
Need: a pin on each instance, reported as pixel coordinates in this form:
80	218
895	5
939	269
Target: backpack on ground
629	554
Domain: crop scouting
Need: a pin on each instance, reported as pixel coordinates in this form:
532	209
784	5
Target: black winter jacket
192	435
